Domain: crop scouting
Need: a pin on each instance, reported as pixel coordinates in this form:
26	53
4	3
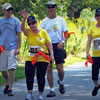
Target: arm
49	46
88	45
24	15
17	51
61	44
65	39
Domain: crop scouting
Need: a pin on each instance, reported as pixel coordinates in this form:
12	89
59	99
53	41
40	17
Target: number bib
96	44
34	49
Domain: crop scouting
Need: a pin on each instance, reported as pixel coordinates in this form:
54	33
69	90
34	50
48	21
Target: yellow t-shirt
38	40
95	32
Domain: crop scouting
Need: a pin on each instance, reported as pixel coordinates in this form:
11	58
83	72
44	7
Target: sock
61	82
52	89
40	93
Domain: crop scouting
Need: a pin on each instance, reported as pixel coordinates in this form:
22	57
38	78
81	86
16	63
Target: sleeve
90	30
18	25
41	25
65	28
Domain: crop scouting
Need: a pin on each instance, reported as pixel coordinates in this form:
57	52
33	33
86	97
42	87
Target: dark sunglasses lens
31	23
51	7
97	15
9	9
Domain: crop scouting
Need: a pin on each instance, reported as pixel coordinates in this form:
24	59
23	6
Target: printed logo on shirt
55	27
40	39
48	30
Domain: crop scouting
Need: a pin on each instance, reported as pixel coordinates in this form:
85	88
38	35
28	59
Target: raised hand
24	14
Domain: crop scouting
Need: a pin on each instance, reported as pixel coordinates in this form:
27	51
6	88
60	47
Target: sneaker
95	91
40	97
6	89
10	93
61	88
51	94
29	97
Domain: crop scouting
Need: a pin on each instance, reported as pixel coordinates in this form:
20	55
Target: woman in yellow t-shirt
38	40
94	36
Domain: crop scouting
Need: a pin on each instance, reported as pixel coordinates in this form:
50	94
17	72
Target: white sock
41	96
29	96
52	89
61	82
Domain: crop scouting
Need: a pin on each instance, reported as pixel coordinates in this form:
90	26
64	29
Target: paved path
78	86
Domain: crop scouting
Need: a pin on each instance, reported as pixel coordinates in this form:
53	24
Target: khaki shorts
8	60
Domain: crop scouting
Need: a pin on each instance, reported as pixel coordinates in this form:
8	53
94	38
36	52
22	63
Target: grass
20	72
74	59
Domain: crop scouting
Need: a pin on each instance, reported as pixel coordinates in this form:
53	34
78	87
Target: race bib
34	49
96	44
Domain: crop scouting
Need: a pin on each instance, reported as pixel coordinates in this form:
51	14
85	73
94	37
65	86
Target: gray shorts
8	60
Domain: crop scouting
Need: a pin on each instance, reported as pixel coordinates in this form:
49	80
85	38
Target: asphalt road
77	82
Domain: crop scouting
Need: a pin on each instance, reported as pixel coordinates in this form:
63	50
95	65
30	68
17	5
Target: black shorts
59	54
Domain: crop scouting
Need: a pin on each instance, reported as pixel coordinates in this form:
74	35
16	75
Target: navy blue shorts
59	54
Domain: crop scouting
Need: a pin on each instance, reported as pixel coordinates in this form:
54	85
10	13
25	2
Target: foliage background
66	8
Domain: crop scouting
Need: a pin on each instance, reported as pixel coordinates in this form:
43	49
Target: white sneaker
29	97
40	97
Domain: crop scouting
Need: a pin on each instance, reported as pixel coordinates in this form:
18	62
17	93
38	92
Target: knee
49	69
60	69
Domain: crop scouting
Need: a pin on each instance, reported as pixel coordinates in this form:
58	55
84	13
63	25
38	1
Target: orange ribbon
1	49
66	35
89	60
40	53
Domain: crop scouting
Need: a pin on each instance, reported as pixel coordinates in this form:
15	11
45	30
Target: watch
63	41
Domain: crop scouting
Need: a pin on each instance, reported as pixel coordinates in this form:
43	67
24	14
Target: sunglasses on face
51	7
31	23
97	15
9	9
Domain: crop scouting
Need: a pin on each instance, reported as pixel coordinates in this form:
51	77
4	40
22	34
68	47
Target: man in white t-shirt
56	27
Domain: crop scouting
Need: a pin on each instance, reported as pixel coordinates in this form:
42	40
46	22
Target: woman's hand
24	14
51	58
87	55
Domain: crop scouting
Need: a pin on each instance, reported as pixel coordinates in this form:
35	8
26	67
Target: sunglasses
51	7
97	15
9	9
31	23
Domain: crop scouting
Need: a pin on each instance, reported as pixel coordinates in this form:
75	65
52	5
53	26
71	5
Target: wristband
63	41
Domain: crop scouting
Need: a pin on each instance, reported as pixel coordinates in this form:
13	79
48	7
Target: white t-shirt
55	28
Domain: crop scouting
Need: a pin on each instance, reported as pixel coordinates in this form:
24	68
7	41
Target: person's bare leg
5	75
96	83
61	77
50	76
60	71
50	81
11	77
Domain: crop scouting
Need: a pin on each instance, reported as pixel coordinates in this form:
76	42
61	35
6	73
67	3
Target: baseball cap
6	6
31	19
51	3
97	12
